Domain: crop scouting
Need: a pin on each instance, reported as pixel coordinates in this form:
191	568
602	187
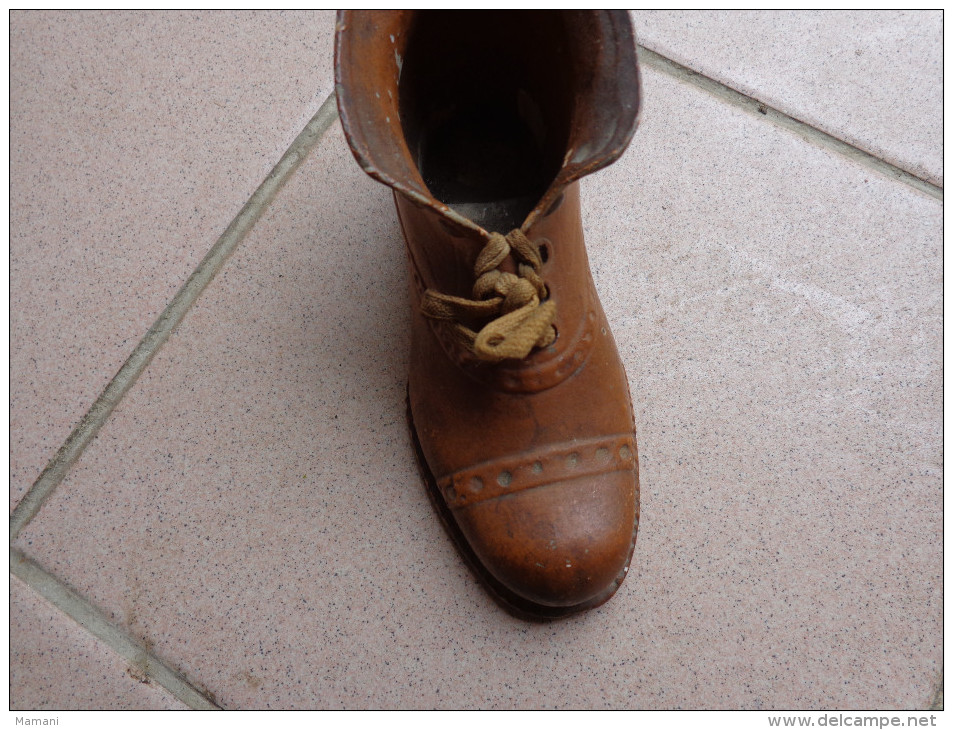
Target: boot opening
485	106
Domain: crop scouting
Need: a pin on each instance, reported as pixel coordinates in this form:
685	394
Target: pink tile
871	78
135	138
57	665
253	508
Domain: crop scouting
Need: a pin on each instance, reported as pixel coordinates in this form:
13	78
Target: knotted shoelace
521	319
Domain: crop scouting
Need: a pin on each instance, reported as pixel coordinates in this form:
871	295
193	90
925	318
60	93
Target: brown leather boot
482	122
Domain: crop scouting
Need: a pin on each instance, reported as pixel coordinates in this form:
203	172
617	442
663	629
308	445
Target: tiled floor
250	513
134	138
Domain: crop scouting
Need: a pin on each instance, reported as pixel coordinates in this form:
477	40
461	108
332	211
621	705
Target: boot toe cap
563	544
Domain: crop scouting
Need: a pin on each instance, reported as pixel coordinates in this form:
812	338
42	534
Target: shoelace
522	320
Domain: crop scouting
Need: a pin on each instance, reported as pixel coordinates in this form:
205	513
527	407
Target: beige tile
252	507
135	138
871	78
57	665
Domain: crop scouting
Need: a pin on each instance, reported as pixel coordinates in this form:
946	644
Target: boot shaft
485	117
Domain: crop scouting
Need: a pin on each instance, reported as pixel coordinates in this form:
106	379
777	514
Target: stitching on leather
562	462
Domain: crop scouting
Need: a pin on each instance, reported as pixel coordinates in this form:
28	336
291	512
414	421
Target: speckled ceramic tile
871	78
253	507
135	138
57	665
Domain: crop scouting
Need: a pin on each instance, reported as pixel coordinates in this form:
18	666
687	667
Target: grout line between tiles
91	619
142	355
651	59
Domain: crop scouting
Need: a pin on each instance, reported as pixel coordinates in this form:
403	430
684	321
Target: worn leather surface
534	460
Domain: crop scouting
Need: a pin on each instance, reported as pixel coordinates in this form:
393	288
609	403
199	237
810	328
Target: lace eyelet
544	253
